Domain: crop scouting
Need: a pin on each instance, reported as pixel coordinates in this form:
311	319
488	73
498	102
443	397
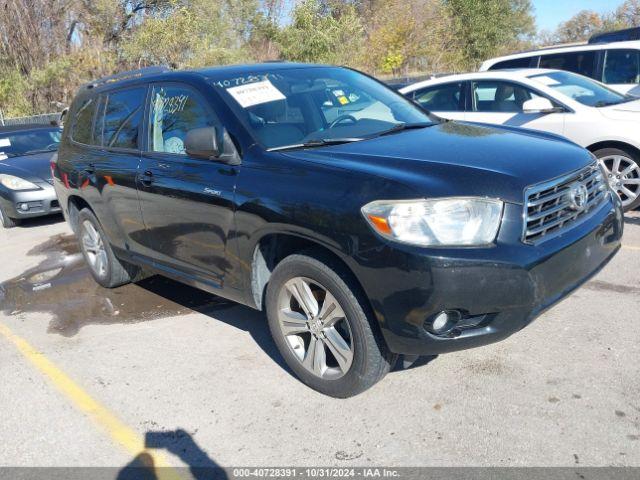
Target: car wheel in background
6	221
322	326
104	266
623	174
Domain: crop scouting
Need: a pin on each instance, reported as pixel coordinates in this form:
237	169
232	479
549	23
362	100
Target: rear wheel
320	324
104	266
623	174
7	221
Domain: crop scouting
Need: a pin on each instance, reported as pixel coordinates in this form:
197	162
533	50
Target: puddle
62	286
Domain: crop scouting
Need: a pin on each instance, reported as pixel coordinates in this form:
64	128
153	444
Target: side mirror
211	143
202	143
539	105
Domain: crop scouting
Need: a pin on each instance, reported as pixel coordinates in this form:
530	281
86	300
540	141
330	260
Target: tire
336	374
623	171
6	221
106	269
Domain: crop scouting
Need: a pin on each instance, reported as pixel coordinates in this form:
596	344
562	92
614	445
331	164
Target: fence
45	119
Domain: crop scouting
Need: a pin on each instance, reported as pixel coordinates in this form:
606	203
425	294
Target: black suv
364	226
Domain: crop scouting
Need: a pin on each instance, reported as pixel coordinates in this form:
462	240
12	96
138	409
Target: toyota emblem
578	196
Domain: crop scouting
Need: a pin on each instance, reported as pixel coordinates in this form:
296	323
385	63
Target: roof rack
128	75
625	35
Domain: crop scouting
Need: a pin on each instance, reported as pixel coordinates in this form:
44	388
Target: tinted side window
582	63
122	118
515	63
443	98
82	129
495	96
174	111
622	67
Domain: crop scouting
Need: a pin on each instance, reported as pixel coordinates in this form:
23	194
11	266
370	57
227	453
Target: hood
628	111
459	159
34	167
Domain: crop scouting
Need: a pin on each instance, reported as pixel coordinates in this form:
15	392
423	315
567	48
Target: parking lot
90	377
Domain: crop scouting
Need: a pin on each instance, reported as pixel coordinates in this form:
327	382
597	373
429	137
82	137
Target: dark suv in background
364	226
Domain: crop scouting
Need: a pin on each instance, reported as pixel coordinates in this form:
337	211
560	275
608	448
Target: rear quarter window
83	121
515	63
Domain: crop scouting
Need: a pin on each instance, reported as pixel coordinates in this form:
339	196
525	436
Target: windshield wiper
319	142
399	127
625	99
40	150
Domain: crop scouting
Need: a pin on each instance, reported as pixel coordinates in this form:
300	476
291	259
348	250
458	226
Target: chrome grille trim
549	207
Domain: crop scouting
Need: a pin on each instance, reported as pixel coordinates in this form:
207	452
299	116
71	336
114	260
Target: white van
611	58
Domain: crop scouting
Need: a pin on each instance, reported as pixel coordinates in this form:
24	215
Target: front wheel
623	174
319	322
6	221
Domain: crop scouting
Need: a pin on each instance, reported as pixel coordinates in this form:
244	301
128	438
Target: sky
549	13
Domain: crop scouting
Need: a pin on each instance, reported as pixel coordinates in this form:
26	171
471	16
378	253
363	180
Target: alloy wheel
623	175
315	328
94	248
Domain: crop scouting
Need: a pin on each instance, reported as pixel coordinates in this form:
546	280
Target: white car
586	112
612	58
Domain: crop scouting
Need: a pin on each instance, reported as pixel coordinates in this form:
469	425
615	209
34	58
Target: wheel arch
627	147
272	248
75	204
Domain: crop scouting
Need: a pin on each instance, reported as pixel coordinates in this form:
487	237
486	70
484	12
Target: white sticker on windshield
5	142
548	81
256	93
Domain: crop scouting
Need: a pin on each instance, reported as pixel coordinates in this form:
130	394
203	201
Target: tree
486	28
320	33
628	14
580	27
194	33
404	35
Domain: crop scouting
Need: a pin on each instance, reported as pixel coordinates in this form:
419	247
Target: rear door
114	167
621	70
582	62
187	203
501	102
446	100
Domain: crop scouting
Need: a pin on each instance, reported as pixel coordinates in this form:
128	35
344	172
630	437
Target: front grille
552	207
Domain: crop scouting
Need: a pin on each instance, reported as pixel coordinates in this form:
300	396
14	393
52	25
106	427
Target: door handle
147	178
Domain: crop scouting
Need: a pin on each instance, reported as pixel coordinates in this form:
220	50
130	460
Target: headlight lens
437	222
16	183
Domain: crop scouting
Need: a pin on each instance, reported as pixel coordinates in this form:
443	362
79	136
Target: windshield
15	144
581	89
317	105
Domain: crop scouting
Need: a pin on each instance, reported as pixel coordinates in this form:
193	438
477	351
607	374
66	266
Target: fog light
443	322
24	207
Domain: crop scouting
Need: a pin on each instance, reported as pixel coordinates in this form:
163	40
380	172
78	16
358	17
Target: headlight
16	183
437	222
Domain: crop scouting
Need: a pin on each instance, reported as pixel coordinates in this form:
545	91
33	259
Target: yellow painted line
119	432
629	247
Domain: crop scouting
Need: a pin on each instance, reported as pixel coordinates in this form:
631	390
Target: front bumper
499	290
40	202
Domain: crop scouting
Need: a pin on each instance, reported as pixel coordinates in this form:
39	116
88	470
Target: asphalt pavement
91	377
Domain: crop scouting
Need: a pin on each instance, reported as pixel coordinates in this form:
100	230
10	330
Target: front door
187	203
500	102
445	100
